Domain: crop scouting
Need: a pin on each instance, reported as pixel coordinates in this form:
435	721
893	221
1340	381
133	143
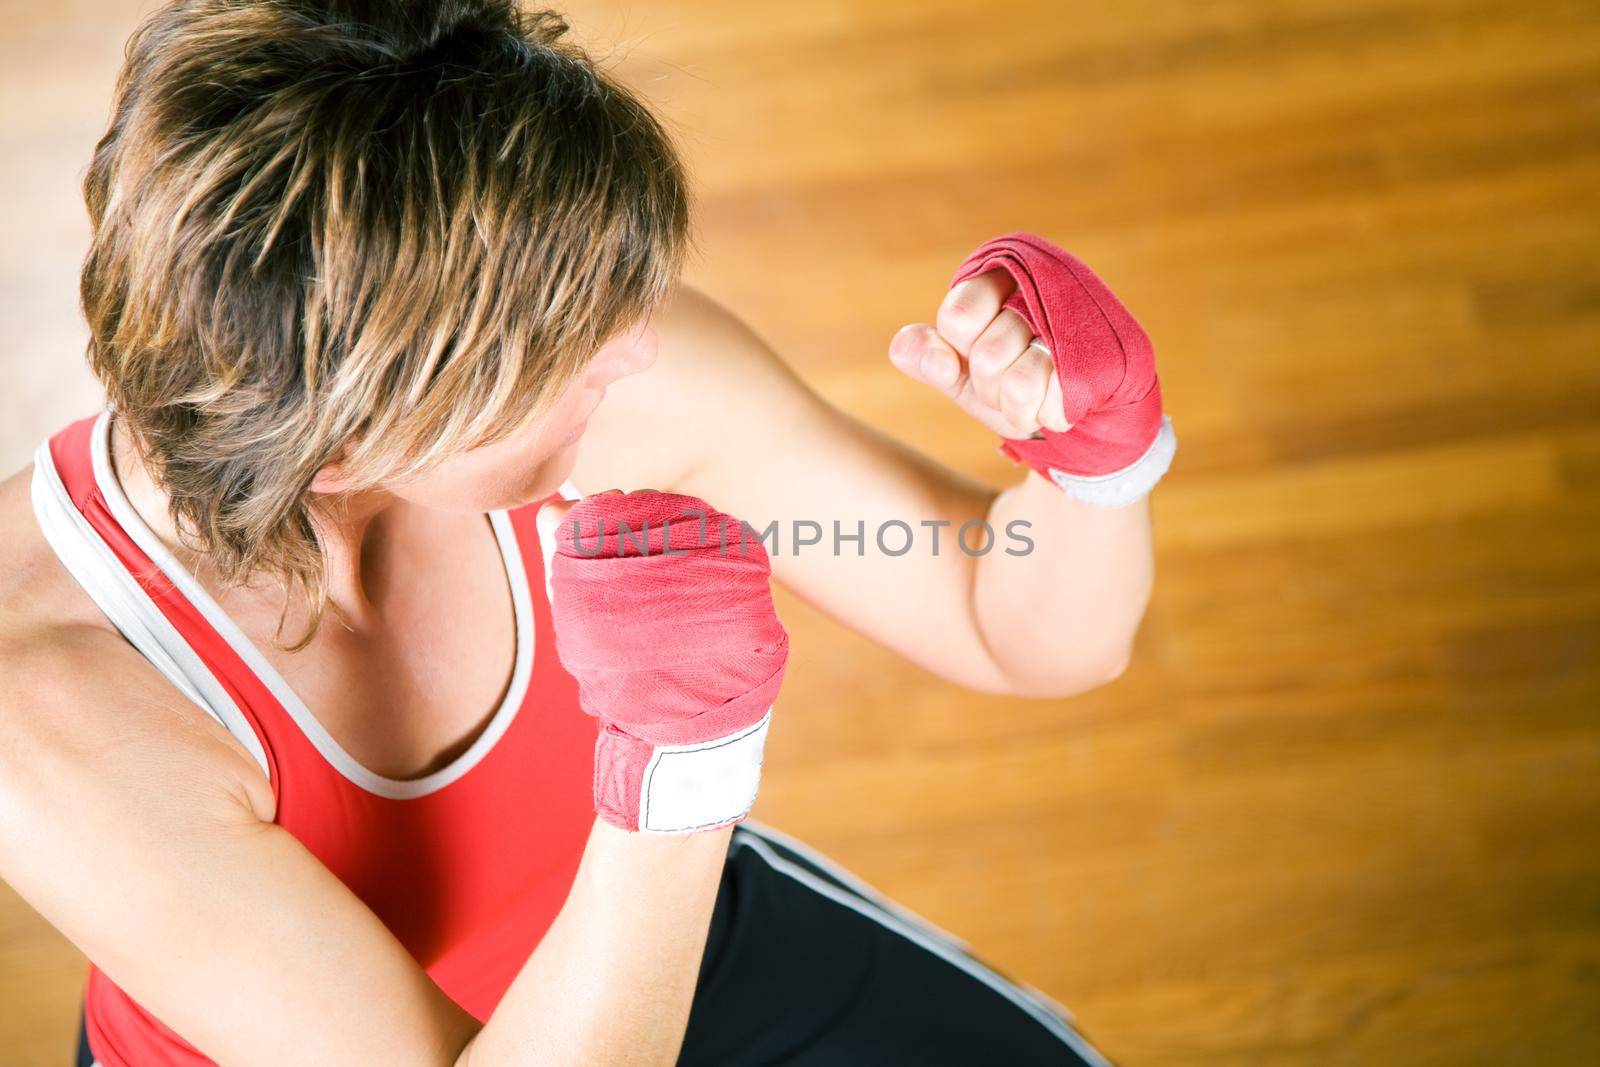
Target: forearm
1060	618
613	979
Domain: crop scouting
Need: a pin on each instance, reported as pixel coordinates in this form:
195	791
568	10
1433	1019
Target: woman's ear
331	478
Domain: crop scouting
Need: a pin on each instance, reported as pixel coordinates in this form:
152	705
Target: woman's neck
353	528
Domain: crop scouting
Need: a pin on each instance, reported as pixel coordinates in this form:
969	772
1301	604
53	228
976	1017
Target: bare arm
721	416
142	831
614	977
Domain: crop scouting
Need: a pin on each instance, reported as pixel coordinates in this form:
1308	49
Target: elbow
1086	671
1113	665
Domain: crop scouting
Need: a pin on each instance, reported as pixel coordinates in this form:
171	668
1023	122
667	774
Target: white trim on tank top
310	726
103	576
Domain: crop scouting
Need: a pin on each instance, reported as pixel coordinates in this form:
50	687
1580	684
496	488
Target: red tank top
466	889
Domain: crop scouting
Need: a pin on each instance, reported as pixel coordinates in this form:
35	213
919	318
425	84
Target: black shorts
808	966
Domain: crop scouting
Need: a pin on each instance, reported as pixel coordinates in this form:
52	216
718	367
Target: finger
920	353
993	353
1023	389
548	519
553	511
970	306
1052	413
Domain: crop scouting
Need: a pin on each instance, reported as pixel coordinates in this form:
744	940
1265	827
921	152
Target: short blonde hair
394	227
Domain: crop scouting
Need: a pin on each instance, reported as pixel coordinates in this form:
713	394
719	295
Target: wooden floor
1345	806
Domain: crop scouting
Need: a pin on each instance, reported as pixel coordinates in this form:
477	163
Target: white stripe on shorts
886	913
817	859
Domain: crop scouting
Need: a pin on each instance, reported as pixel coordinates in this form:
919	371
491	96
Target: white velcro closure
692	787
1121	488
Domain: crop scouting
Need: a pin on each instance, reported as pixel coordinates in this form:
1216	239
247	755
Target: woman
361	276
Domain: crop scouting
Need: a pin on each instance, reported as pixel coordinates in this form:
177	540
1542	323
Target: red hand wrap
1103	358
663	613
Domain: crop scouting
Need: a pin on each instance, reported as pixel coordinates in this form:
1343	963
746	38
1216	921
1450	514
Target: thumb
547	523
549	517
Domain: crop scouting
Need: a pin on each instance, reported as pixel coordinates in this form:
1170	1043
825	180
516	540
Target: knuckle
1018	392
959	316
1020	383
989	354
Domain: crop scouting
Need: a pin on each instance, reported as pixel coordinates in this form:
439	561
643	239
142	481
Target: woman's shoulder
37	592
74	689
655	429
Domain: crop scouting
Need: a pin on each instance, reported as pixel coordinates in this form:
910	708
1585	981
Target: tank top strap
125	583
77	500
